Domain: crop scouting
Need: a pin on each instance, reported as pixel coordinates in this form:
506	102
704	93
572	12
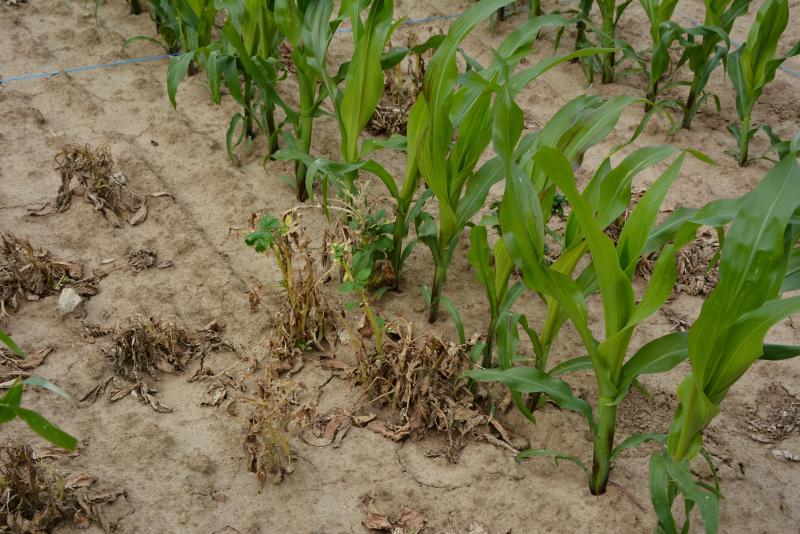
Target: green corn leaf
555	455
581	363
8	342
46	429
780	352
529	380
660	494
176	72
364	81
657	356
616	290
634	441
46	384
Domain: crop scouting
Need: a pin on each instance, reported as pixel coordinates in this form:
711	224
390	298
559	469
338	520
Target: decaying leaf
142	259
36	498
698	266
328	429
32	273
406	521
13	366
147	348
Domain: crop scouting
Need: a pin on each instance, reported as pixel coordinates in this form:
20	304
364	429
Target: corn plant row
466	107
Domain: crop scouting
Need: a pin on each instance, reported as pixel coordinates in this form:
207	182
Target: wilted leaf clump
33	273
144	348
304	318
277	410
92	172
420	378
34	497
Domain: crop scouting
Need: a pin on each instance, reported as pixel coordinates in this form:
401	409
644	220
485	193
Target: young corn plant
754	65
663	32
705	48
610	272
610	14
245	61
10	404
575	128
758	267
460	127
185	25
309	29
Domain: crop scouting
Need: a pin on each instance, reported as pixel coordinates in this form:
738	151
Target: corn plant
460	127
185	25
309	29
706	47
580	124
10	405
758	266
663	32
610	13
754	65
244	60
610	272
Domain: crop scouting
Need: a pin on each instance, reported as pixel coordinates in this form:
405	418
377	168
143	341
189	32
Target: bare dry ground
186	471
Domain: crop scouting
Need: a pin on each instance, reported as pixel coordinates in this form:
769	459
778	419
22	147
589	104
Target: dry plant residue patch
145	348
278	409
420	378
774	417
92	171
34	497
33	273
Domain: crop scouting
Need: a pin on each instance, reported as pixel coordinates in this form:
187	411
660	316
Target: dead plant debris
420	378
145	258
92	171
13	366
401	89
305	320
146	347
774	417
37	498
33	273
405	521
278	410
698	266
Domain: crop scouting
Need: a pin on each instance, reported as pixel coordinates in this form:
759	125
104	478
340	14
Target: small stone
68	301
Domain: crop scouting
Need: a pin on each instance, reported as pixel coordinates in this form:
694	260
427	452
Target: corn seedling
245	61
10	404
460	126
706	47
611	272
754	65
663	32
185	25
758	266
579	125
309	29
610	13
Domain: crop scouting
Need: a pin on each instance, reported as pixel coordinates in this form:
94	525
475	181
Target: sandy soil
185	471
